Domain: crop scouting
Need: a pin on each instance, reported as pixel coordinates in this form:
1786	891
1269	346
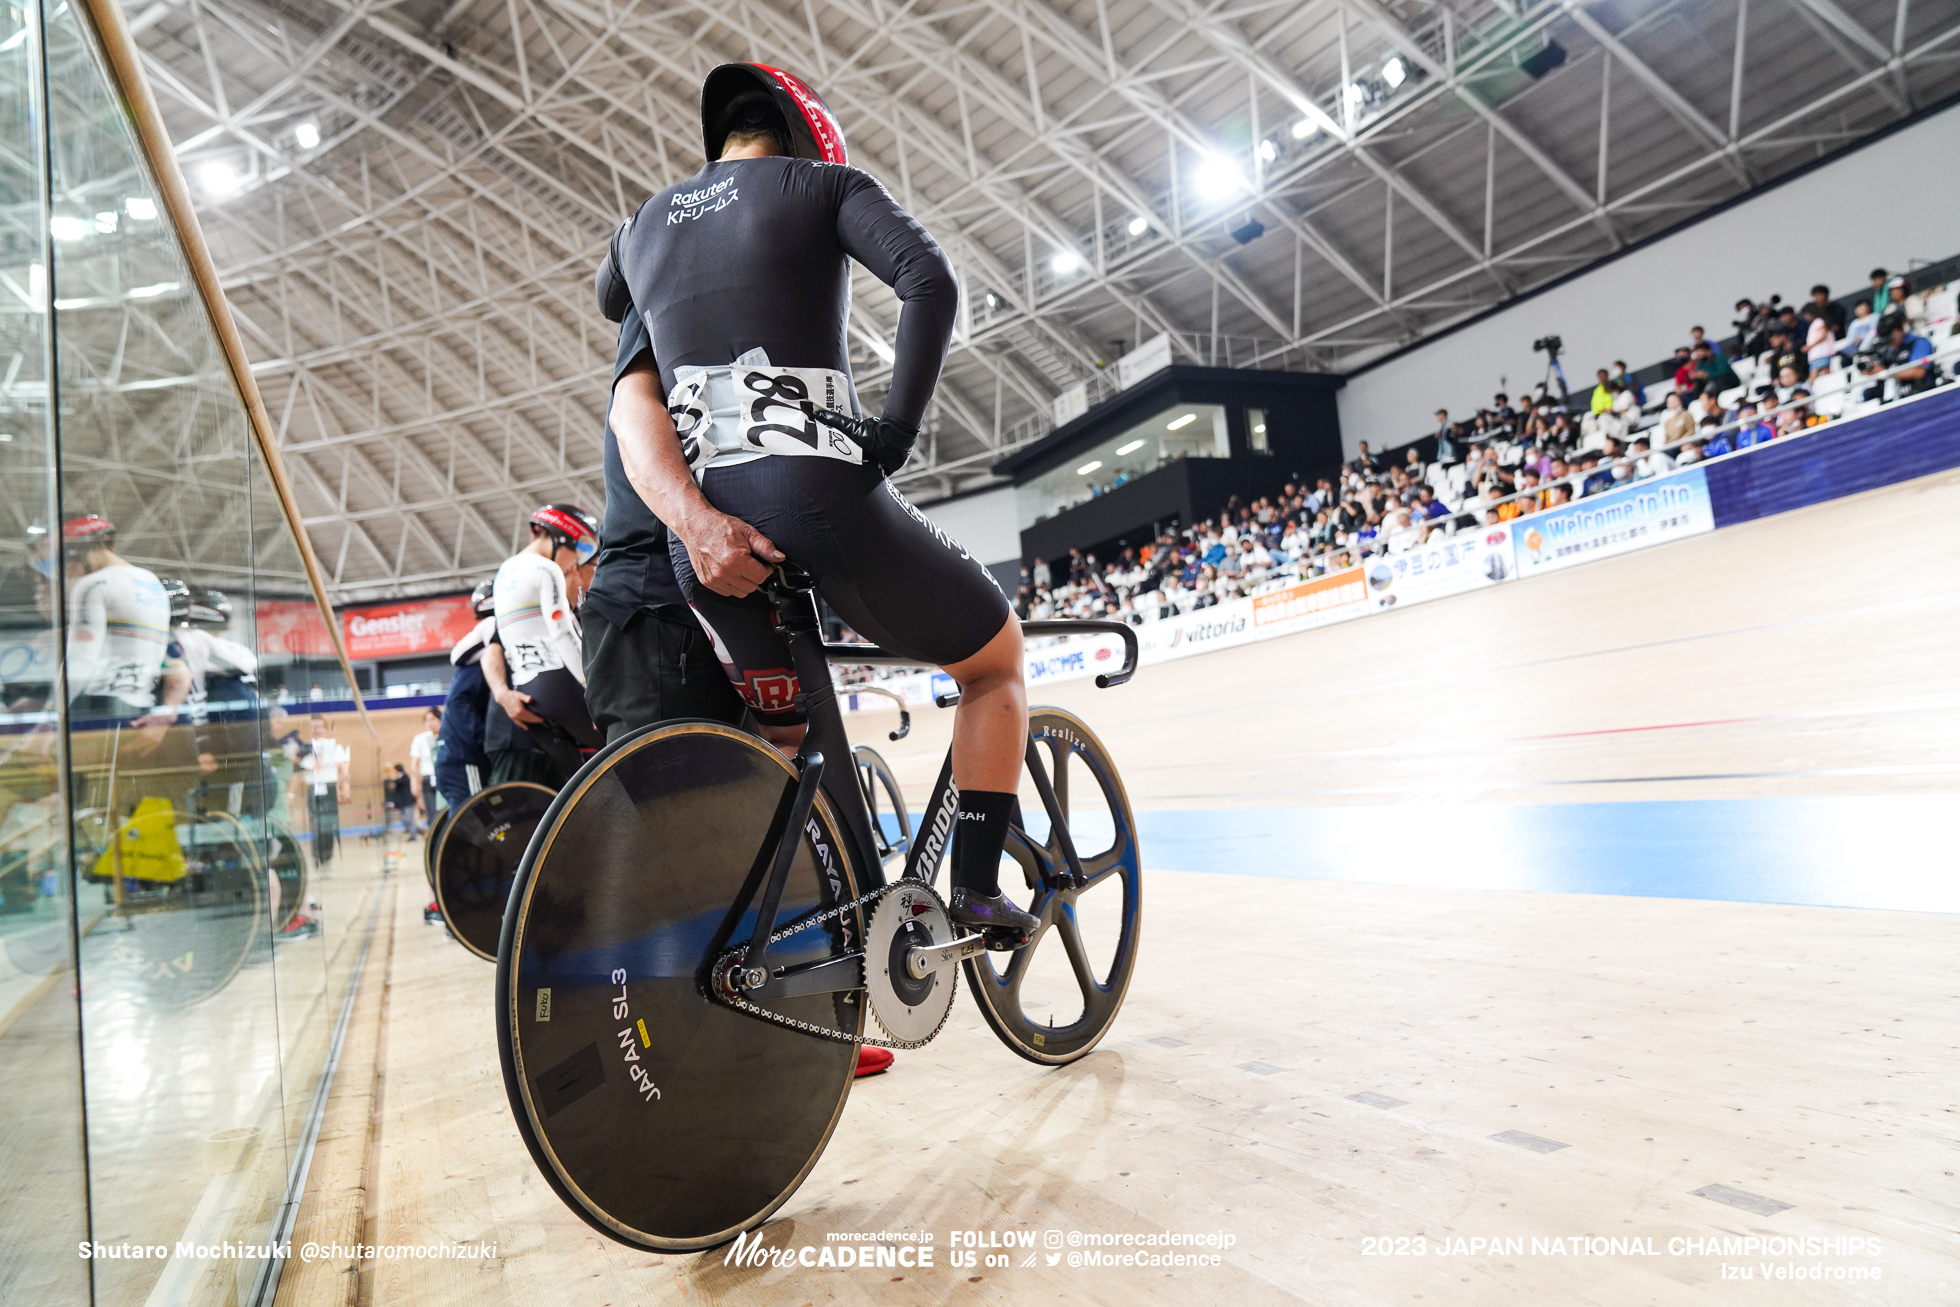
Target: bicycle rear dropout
700	935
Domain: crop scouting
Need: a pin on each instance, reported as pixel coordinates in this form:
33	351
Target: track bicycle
701	929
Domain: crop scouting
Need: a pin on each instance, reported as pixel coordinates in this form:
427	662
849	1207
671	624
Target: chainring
908	915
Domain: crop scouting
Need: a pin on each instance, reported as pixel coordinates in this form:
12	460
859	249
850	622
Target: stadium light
67	227
1184	422
1138	226
141	207
1268	152
1130	448
1395	72
1303	129
1065	263
307	134
219	179
1088	467
1217	179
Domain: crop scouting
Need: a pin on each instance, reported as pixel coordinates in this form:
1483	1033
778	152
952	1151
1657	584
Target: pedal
1001	940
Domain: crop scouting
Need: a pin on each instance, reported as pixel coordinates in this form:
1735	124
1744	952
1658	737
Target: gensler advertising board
1447	565
1650	513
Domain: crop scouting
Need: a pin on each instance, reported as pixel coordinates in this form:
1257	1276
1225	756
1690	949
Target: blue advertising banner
1672	507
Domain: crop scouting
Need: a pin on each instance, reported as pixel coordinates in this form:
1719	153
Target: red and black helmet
570	527
731	88
81	535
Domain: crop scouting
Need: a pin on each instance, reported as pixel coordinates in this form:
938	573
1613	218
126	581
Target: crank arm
836	975
922	962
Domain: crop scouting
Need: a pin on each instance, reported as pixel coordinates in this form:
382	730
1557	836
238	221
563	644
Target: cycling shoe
989	912
872	1061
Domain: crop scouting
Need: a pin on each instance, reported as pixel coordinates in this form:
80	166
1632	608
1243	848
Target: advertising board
1672	507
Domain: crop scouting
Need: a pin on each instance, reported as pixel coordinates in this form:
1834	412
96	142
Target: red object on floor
873	1061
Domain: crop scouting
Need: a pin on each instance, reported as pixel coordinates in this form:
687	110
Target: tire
429	842
476	860
883	799
1072	753
666	1119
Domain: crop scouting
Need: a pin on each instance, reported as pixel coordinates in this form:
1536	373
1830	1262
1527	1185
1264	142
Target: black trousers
659	665
325	809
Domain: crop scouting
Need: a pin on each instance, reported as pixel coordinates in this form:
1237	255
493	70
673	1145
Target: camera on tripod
1547	345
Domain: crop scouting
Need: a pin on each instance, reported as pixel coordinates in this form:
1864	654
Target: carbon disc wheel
477	858
429	842
662	1116
1053	1000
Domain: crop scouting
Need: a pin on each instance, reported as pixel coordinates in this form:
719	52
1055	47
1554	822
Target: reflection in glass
1180	431
154	550
42	1177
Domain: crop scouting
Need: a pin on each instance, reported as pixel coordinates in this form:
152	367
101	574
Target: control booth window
1256	438
1180	431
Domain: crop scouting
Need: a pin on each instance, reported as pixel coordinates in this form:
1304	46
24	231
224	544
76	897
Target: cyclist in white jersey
118	636
538	672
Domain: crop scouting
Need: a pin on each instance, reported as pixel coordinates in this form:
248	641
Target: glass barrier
186	871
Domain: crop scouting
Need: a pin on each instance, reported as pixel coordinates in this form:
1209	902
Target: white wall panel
1894	201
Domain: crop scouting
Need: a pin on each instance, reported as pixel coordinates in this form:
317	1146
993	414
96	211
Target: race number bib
779	408
770	410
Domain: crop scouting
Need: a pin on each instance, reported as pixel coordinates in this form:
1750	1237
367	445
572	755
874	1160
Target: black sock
979	834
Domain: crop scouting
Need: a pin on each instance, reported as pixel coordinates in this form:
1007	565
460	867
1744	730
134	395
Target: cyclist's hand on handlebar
512	702
885	442
730	557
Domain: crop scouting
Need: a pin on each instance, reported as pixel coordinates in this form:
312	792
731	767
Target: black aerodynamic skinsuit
755	254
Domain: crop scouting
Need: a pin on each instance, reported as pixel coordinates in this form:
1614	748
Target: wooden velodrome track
1309	1065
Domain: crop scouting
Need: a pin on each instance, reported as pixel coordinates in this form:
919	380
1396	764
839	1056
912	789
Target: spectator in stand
1627	383
1502	411
1684	370
1717	443
1647	464
1798	416
1428	507
1745	324
1900	345
1445	438
1415	468
1787	382
1602	395
1753	431
1821	297
1784	353
1820	341
1697	337
1677	423
1881	296
1044	577
1858	337
1363	463
1711	373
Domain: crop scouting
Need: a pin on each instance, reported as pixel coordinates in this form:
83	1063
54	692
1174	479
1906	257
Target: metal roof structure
406	198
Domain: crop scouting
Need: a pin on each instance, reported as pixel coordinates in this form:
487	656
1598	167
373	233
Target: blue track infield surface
1893	852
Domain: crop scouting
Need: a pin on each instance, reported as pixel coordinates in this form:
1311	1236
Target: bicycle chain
741	1004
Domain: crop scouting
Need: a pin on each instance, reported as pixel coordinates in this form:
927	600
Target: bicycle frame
824	739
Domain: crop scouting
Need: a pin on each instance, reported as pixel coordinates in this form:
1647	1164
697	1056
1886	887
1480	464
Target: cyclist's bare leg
990	730
787	739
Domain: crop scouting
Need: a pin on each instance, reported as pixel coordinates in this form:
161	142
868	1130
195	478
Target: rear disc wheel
477	858
662	1116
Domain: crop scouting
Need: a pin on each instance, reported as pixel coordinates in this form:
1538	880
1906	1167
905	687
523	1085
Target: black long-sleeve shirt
754	253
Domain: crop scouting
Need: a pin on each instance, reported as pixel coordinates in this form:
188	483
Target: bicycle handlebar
874	655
